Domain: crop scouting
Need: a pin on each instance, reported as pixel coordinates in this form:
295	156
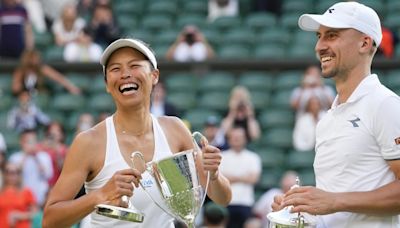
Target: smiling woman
100	156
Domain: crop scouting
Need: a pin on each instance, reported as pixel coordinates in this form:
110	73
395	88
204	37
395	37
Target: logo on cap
331	10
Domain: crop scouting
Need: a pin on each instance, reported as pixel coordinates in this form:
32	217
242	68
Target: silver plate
120	213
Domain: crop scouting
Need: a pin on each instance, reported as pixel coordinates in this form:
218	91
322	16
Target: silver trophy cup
177	179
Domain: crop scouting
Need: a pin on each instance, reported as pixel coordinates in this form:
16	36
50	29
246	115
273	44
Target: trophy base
120	213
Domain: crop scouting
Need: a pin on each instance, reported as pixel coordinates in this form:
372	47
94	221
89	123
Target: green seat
269	51
181	82
392	21
297	50
43	40
182	100
197	117
157	22
296	6
275	35
56	115
213	36
269	179
260	99
392	79
195	7
12	140
392	7
142	34
68	102
287	80
377	5
290	20
190	19
101	102
239	36
162	7
126	21
5	83
6	102
260	21
307	177
128	7
217	81
54	53
275	118
217	101
226	23
83	81
281	99
160	50
272	157
297	160
98	85
168	37
278	137
42	100
256	81
234	52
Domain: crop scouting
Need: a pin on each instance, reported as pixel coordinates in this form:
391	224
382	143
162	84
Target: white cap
133	43
346	15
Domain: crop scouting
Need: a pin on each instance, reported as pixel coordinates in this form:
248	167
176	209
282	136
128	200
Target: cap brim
127	43
312	22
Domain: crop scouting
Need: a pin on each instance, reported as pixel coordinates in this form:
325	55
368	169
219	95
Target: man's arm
381	201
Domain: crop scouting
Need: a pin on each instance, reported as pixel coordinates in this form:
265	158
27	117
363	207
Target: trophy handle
139	155
197	140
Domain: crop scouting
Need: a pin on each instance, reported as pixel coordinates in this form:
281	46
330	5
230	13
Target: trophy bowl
285	219
177	179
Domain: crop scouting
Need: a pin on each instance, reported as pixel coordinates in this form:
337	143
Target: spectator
222	8
30	73
306	124
26	115
66	28
388	43
241	114
36	15
85	121
17	203
311	84
190	45
215	216
104	27
83	49
2	158
263	206
159	105
15	30
53	145
242	168
214	134
35	165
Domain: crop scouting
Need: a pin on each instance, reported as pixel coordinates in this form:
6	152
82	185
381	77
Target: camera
189	38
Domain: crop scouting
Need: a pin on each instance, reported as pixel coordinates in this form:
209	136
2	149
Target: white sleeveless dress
153	215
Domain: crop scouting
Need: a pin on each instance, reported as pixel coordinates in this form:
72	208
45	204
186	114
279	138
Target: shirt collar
366	86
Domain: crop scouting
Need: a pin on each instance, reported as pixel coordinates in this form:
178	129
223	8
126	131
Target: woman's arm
59	78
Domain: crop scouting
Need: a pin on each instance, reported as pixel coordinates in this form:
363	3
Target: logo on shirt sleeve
397	141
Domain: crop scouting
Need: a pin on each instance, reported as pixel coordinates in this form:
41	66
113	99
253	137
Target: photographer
241	114
190	45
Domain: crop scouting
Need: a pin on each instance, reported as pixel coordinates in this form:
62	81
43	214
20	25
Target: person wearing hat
100	157
357	166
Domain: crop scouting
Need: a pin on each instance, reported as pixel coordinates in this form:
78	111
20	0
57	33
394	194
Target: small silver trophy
178	182
285	219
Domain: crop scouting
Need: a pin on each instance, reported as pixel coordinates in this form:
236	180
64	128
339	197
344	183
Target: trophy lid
284	217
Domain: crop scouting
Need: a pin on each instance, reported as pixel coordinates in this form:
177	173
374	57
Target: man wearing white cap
100	156
357	164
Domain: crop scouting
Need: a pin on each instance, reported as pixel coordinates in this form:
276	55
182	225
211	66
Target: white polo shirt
354	140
